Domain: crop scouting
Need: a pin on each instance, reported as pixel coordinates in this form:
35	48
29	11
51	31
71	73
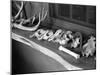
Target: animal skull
89	47
75	43
57	33
47	35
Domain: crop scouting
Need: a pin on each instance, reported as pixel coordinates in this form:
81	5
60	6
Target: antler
20	9
20	26
44	14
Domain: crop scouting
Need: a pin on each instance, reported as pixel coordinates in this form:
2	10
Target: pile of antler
63	37
59	36
29	20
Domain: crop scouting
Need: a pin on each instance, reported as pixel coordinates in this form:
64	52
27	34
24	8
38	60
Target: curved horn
20	26
20	9
44	14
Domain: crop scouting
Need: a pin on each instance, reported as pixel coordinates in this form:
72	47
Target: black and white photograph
52	37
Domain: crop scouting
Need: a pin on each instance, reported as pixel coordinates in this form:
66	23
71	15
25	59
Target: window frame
57	16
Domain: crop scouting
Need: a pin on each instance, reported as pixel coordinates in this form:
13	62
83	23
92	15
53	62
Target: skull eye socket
47	34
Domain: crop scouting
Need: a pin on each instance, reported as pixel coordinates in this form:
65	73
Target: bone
75	55
43	32
89	47
35	34
75	42
39	34
45	36
55	35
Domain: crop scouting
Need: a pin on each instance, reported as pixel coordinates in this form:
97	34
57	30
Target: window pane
79	12
64	10
92	14
52	10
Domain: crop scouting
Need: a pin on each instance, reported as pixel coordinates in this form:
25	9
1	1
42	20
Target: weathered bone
47	35
89	47
59	38
39	34
55	35
75	55
75	42
36	33
63	39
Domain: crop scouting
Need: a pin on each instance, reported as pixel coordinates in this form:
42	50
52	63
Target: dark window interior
64	10
52	10
79	14
92	15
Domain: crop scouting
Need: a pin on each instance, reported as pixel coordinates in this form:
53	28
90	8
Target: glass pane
79	12
92	14
52	12
64	10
